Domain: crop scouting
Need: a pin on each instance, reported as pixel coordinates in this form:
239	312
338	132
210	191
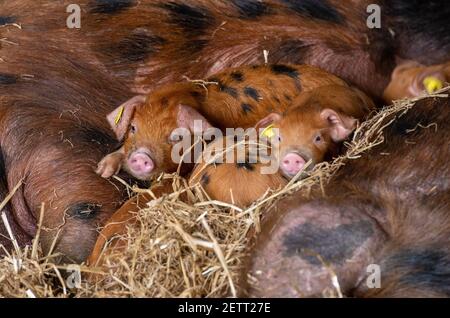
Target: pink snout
292	163
140	163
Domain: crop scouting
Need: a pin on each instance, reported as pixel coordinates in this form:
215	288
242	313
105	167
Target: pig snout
291	164
140	163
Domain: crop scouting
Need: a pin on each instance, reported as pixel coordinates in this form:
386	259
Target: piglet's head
310	130
411	79
149	129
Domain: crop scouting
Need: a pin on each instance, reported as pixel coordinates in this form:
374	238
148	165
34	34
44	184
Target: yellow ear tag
268	132
432	84
119	115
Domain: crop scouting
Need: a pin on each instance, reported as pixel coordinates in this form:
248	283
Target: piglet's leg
300	252
111	164
116	227
110	237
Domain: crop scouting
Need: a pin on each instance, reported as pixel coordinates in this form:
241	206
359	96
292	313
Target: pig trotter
110	165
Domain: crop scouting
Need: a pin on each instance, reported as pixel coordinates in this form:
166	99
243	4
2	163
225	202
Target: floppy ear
188	117
404	65
341	126
119	119
268	120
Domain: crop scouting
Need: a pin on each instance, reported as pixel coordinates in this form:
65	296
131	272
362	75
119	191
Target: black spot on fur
224	88
110	6
246	165
205	179
401	127
276	99
229	90
7	20
83	210
316	9
137	46
7	79
247	108
251	92
237	76
89	136
287	97
164	102
192	20
333	245
280	69
292	51
251	9
422	268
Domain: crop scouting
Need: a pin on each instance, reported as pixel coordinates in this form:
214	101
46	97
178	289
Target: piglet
411	79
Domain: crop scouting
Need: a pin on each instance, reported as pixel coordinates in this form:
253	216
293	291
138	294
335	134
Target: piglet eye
174	137
318	139
133	128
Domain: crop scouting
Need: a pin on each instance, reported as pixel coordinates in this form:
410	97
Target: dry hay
179	249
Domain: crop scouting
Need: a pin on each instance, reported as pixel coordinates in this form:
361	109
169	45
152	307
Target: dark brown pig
52	134
389	208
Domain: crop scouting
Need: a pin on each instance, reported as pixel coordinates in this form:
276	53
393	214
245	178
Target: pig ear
341	126
119	119
268	120
188	117
404	65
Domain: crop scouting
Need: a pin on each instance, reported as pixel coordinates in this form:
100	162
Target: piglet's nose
292	163
140	163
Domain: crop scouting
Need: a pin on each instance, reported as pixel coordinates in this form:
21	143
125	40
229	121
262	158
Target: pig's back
240	97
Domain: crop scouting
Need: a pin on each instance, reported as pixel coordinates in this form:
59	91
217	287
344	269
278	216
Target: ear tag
119	115
268	132
432	84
